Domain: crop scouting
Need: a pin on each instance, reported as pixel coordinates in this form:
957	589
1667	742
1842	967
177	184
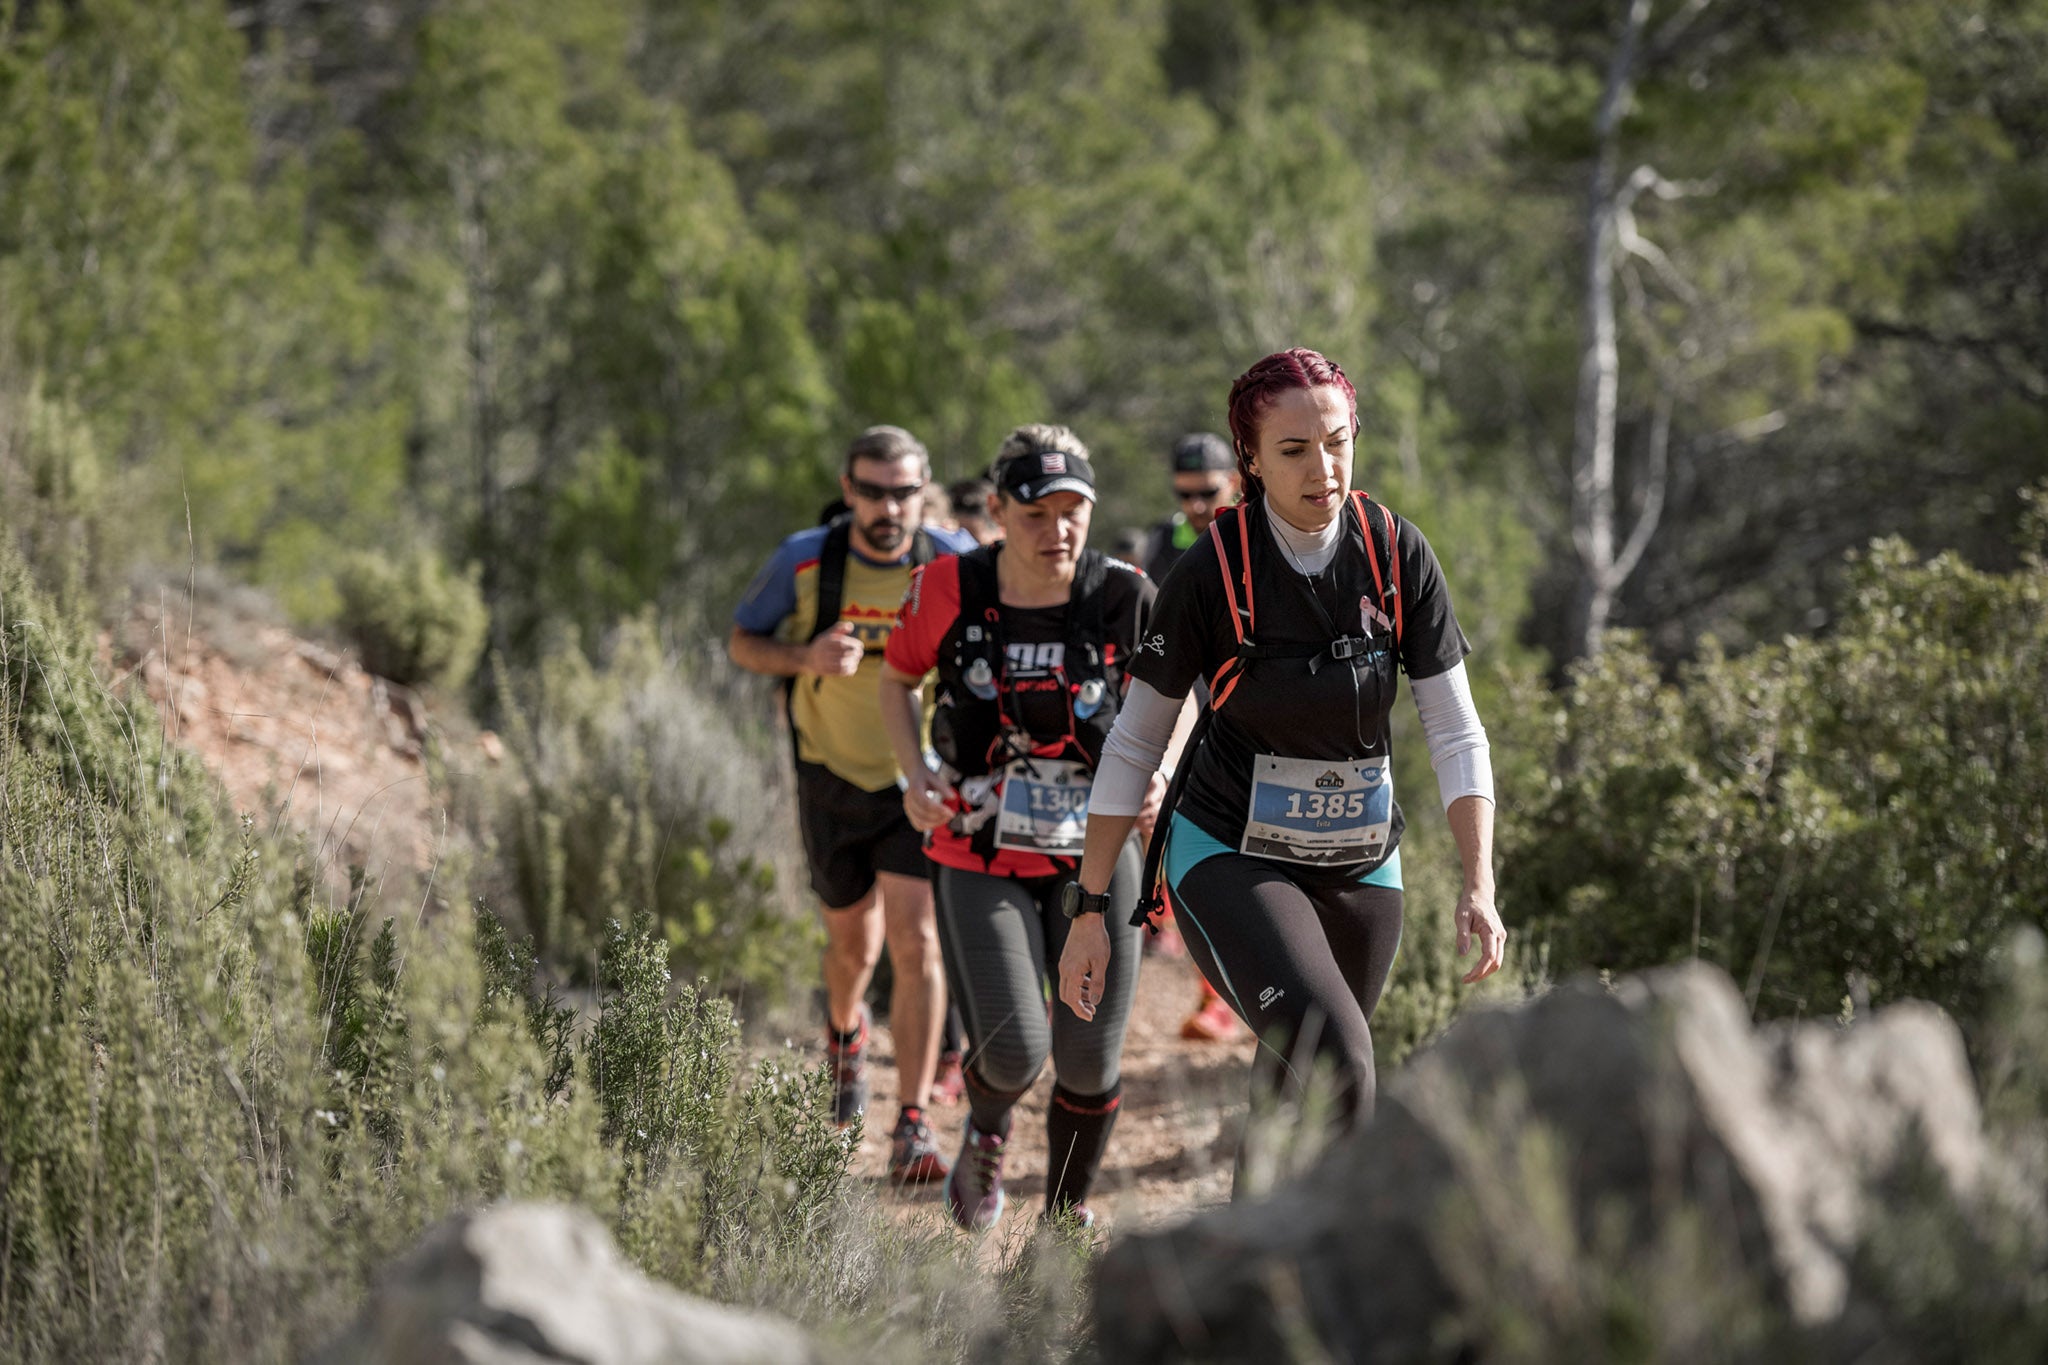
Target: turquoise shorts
1188	843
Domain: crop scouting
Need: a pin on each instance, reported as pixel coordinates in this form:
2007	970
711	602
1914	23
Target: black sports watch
1075	902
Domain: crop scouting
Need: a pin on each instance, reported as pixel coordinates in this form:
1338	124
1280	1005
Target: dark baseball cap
1202	452
1030	476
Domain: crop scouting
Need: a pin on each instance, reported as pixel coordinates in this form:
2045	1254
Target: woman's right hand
925	798
1084	965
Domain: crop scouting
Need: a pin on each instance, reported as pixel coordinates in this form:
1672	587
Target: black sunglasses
1199	494
874	492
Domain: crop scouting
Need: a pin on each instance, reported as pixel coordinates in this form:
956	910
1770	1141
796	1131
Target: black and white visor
1027	478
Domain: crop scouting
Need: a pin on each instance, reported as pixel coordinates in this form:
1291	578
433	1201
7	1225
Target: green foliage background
590	294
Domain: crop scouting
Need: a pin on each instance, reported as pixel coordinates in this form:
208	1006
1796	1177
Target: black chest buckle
1346	647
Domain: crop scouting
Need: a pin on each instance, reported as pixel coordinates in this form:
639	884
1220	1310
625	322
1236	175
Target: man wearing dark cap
1204	479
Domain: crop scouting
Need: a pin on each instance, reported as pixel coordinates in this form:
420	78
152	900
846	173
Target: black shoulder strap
978	587
1152	888
1086	618
923	549
832	572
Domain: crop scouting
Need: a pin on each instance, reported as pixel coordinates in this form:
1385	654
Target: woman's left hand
1477	919
1084	965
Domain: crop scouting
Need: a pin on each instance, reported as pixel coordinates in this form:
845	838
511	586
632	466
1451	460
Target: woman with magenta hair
1280	850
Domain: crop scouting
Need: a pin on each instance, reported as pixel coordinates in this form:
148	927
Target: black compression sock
1077	1129
988	1107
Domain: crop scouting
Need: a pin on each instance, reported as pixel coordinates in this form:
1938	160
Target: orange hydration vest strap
1219	689
1226	678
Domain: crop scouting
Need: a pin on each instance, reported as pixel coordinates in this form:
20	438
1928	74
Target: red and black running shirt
1036	693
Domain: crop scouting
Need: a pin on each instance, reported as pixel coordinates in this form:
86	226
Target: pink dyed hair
1257	388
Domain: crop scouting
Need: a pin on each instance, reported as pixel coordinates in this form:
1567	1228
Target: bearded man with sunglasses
818	616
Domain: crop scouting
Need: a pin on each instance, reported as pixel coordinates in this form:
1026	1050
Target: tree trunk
1593	532
484	418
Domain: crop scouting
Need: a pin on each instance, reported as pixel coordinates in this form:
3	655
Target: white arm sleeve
1134	750
1457	741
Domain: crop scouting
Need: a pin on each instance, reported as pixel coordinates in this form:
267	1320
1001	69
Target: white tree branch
1653	495
1633	243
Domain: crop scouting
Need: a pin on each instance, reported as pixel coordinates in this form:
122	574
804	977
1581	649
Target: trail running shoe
950	1085
913	1153
849	1072
1213	1022
974	1192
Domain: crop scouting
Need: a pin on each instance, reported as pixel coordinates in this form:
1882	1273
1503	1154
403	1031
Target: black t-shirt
1280	706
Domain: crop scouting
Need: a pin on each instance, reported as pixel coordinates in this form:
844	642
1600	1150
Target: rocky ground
299	734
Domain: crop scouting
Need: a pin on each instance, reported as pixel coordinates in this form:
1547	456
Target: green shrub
1863	811
414	619
634	791
230	1104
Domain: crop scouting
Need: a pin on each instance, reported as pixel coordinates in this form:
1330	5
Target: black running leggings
1002	939
1302	965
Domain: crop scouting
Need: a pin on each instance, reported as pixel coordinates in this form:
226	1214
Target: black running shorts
850	835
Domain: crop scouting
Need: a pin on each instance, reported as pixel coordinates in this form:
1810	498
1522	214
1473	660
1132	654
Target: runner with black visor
1030	639
1280	845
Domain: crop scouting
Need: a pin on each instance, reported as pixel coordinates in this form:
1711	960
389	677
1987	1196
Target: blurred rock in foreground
1659	1101
526	1283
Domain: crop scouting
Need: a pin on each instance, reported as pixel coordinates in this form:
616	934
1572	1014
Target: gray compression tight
1002	940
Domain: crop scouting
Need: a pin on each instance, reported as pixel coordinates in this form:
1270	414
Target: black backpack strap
832	572
831	596
978	630
979	591
923	549
1086	618
1152	889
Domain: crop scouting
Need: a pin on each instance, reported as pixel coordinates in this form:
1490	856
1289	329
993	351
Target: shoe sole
922	1171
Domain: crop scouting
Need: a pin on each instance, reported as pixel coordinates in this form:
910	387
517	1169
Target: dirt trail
300	734
1173	1146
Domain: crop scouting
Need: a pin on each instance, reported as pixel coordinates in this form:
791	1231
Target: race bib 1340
1045	807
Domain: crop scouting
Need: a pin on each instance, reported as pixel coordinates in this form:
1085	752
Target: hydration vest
1231	534
972	728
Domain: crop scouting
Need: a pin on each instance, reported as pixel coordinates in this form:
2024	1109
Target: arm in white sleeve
1134	750
1457	741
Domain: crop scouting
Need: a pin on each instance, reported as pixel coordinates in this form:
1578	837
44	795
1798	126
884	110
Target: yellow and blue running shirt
838	720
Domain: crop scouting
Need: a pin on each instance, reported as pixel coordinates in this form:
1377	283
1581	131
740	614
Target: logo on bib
1155	643
1330	779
